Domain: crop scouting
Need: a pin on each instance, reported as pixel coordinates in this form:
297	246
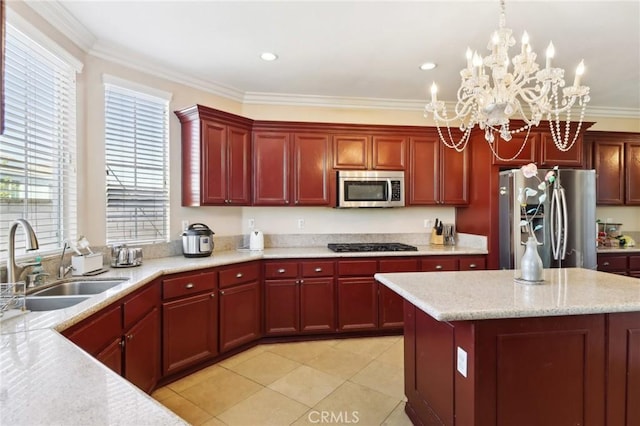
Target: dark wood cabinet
216	157
357	295
369	152
390	303
299	297
551	156
125	337
623	369
439	263
240	305
470	263
142	351
616	158
539	148
620	263
545	370
189	320
437	174
291	169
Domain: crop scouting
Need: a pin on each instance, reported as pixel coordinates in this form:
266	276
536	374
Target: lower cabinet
623	369
620	263
390	312
189	320
240	305
125	337
357	295
299	297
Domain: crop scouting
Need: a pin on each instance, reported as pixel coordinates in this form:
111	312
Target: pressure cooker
197	240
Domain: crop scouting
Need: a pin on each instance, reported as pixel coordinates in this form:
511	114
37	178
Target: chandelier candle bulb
525	41
550	53
579	72
469	58
434	92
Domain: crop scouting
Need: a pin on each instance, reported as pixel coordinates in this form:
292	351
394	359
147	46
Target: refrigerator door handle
565	223
554	217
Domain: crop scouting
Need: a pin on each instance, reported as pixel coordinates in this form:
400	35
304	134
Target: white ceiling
354	52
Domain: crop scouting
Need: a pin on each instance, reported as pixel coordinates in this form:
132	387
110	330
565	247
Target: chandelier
495	89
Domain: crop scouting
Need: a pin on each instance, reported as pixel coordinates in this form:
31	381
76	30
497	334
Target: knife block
436	239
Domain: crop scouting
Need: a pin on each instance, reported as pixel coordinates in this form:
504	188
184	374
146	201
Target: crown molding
60	18
332	101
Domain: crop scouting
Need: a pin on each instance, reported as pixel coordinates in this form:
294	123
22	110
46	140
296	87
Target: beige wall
227	220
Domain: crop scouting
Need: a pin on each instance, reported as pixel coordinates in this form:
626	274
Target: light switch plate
462	361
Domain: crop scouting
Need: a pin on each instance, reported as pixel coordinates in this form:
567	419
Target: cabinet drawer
318	269
188	284
472	263
612	263
138	305
356	268
239	275
440	264
634	263
398	265
281	270
97	332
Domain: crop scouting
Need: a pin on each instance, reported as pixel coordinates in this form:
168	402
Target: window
37	149
137	166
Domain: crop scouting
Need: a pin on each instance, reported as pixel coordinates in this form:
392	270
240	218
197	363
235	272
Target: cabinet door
351	152
238	177
454	177
111	356
214	163
623	369
390	314
189	331
632	173
281	301
551	156
311	167
317	307
357	304
424	169
98	331
388	153
523	155
142	352
608	160
240	315
271	169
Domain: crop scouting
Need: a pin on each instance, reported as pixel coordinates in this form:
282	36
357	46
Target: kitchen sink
36	303
79	287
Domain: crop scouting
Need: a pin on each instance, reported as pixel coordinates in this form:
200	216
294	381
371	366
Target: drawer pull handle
473	265
282	271
318	269
130	337
605	264
438	266
222	292
239	275
213	295
190	285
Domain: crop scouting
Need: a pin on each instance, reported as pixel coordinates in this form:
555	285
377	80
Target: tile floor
355	381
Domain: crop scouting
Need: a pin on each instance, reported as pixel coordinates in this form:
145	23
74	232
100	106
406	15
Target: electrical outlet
252	223
462	361
427	223
185	224
300	223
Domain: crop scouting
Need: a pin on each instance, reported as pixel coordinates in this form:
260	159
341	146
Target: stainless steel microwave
370	188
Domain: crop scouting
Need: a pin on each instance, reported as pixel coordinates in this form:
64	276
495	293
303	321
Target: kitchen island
481	349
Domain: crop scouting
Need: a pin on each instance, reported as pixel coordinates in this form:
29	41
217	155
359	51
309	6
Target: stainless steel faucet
13	269
63	270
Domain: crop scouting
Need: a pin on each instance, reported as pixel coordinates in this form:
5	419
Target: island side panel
623	369
533	371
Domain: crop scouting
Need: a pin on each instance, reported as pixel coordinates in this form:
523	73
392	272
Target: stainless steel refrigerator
564	223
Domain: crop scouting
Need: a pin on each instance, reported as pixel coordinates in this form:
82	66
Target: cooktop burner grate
361	247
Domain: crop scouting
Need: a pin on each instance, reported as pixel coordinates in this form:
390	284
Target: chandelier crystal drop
496	89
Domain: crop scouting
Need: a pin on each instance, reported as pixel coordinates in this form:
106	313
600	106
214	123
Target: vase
531	263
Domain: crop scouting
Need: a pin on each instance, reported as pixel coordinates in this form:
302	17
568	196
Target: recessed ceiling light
427	66
268	56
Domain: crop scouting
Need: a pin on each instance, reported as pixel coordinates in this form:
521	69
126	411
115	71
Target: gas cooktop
358	247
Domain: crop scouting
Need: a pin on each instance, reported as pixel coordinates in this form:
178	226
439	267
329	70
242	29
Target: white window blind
38	147
137	166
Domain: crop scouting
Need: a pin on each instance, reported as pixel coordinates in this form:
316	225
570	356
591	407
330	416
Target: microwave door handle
389	190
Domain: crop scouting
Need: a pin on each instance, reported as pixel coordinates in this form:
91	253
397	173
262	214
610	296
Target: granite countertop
479	295
626	250
46	379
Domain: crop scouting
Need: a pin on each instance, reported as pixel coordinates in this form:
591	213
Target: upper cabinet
369	152
540	149
216	157
291	169
437	175
616	159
